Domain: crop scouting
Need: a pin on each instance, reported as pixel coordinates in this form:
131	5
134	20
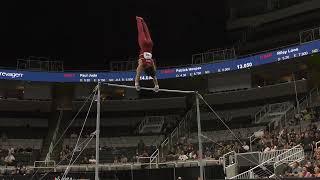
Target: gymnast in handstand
145	62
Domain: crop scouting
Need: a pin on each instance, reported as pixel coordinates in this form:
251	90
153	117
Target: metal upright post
199	136
97	134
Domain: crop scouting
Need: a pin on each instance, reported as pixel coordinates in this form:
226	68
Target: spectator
317	171
85	160
317	154
73	135
115	160
123	159
9	160
245	147
267	148
192	155
207	153
316	137
310	167
296	169
92	160
141	146
307	144
183	157
11	150
305	172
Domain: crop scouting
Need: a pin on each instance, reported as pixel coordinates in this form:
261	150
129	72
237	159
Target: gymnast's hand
156	88
137	86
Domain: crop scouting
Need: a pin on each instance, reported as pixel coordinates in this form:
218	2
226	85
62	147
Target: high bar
149	89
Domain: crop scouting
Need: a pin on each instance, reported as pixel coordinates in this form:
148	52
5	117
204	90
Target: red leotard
144	38
145	41
146	62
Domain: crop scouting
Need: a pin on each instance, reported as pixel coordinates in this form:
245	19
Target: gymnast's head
150	71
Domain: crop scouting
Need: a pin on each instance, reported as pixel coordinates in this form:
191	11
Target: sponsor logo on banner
69	75
12	75
167	71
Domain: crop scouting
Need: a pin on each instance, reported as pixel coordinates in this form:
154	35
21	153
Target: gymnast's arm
139	71
155	80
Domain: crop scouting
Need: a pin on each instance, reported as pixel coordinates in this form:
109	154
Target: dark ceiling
88	35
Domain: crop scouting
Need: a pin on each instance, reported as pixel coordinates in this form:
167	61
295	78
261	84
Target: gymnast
145	62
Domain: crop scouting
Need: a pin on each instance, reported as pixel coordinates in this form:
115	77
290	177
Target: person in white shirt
245	146
9	159
92	160
183	157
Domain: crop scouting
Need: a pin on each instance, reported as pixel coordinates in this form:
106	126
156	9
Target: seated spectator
267	148
135	158
85	161
310	167
296	169
144	154
73	135
245	147
305	172
316	137
171	155
9	160
123	159
307	144
317	171
62	155
317	154
92	160
141	146
192	155
11	150
207	153
183	157
115	160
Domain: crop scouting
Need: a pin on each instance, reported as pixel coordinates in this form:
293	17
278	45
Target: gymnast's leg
146	32
141	35
144	38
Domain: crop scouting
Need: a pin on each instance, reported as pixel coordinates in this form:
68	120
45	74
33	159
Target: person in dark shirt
307	144
141	147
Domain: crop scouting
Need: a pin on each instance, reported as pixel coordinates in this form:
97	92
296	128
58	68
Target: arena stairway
151	124
272	112
267	166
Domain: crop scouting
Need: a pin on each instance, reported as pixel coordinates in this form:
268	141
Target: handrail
312	91
299	151
227	156
164	143
262	164
154	156
176	163
264	156
302	103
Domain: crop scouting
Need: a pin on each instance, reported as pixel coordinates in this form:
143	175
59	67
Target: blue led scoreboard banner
177	72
